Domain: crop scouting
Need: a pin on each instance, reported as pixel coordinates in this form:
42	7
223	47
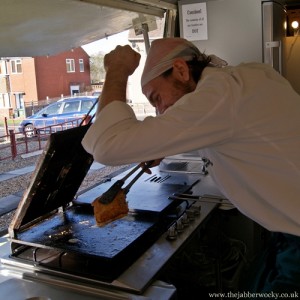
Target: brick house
24	80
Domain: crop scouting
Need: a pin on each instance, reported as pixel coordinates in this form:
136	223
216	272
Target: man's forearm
114	88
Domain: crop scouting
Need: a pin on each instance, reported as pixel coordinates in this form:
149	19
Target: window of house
70	65
2	103
19	100
2	67
16	66
81	65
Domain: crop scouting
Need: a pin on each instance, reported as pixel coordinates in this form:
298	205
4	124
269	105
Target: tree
97	68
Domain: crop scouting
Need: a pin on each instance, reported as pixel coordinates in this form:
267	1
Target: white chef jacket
245	119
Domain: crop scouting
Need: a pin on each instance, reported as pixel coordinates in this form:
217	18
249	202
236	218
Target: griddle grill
70	241
55	231
99	253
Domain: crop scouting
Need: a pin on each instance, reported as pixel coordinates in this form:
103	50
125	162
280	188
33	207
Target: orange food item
106	213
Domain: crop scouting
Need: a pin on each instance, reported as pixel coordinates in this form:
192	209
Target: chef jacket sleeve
199	119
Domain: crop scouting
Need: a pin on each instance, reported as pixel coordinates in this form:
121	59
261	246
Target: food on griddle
106	213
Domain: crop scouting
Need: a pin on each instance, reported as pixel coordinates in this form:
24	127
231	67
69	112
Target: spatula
108	196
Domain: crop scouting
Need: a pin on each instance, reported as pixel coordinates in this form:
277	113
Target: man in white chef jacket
244	119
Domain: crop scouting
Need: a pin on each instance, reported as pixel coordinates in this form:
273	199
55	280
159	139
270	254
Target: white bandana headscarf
164	51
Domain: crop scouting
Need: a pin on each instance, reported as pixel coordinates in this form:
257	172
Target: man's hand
155	163
122	58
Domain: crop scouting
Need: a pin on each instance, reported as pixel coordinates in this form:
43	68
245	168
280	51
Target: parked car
62	111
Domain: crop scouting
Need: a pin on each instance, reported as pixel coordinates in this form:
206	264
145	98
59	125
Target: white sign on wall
194	21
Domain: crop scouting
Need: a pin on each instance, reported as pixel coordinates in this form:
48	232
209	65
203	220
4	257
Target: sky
107	44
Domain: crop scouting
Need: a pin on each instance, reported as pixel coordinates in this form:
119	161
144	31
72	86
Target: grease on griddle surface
61	230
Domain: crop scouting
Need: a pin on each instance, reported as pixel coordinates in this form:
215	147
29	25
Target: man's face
163	92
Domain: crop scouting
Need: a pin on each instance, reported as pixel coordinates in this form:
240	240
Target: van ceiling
47	27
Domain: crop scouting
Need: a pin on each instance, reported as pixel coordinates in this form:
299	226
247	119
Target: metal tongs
108	196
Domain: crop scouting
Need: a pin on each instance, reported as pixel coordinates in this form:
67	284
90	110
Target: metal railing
14	143
18	143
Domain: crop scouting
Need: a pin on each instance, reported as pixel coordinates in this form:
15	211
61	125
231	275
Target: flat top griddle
77	245
53	229
77	232
75	229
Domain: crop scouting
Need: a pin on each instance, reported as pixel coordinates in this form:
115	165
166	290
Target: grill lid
56	179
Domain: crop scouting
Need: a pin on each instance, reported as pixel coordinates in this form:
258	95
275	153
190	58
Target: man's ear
181	70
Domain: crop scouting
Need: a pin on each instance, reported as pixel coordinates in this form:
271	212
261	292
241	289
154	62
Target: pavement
11	202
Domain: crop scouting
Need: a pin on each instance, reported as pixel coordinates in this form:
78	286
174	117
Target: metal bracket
142	25
275	44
